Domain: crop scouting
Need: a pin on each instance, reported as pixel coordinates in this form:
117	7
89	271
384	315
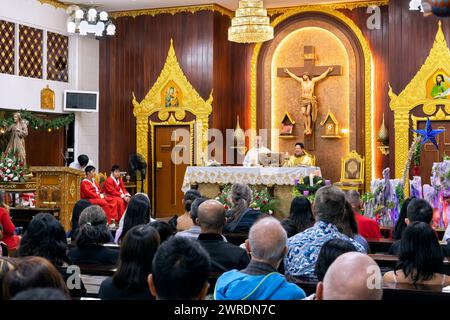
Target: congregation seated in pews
320	252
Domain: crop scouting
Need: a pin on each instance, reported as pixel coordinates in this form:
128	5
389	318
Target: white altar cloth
268	176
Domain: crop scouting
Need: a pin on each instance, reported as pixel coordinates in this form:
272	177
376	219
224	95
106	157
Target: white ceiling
120	5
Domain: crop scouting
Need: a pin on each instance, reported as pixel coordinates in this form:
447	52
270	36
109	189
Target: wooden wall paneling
45	148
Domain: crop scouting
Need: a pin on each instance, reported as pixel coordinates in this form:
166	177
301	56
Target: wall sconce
383	138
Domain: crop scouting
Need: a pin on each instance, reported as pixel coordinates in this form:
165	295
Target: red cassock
114	190
91	191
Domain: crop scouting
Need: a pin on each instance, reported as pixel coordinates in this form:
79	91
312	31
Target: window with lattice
57	57
7	42
30	51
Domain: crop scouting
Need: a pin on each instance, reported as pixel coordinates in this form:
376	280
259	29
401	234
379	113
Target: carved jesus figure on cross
310	75
308	100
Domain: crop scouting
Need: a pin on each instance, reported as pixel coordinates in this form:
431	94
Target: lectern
58	187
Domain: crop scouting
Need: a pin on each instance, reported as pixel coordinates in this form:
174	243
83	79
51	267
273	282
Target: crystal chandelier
89	21
251	23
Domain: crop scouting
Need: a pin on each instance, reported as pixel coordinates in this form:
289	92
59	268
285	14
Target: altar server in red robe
90	191
114	189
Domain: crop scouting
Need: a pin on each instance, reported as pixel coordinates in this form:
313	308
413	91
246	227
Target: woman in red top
9	237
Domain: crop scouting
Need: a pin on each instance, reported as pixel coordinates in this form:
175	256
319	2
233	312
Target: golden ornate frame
414	95
334	6
192	103
328	10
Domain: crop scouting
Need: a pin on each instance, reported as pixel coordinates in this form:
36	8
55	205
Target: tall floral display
384	201
11	168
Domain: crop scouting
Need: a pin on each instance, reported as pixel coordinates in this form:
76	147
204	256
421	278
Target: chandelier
89	21
251	23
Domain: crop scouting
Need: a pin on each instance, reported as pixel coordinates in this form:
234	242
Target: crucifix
308	76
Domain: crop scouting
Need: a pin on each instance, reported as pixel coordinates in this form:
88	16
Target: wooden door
168	176
430	154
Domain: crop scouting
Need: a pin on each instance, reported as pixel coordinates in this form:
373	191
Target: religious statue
19	131
440	89
172	97
308	101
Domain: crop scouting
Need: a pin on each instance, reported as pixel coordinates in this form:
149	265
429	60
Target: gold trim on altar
171	98
331	11
415	95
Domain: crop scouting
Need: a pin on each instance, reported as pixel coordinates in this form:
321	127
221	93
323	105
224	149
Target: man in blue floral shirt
304	248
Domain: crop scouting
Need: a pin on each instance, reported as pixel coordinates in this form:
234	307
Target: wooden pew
97	270
380	245
383	245
92	284
389	262
93	275
399	291
391	291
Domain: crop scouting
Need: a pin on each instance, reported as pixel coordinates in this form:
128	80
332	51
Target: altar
208	180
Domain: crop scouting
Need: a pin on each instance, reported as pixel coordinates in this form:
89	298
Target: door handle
159	165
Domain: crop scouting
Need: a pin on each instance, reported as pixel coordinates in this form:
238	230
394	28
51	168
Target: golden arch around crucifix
328	10
171	98
429	91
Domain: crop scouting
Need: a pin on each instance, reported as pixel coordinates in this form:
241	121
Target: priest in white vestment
252	156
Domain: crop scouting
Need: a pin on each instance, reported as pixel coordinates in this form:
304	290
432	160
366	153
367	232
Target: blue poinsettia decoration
429	134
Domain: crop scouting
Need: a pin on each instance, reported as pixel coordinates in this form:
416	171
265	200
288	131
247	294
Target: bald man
260	280
224	256
352	276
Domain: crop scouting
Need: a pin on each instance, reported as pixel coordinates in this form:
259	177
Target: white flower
16	179
8	171
5	179
9	165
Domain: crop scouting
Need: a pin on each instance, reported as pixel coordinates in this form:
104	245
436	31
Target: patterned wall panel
57	57
7	37
30	51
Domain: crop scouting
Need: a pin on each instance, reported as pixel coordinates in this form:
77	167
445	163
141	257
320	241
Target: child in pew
421	259
129	282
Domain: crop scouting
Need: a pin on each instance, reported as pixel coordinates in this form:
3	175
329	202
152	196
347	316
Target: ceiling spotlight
71	27
111	30
92	15
103	16
84	22
79	14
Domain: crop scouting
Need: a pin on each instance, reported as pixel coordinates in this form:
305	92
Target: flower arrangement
11	169
304	187
385	199
261	199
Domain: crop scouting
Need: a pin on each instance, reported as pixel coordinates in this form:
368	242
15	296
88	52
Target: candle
311	179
